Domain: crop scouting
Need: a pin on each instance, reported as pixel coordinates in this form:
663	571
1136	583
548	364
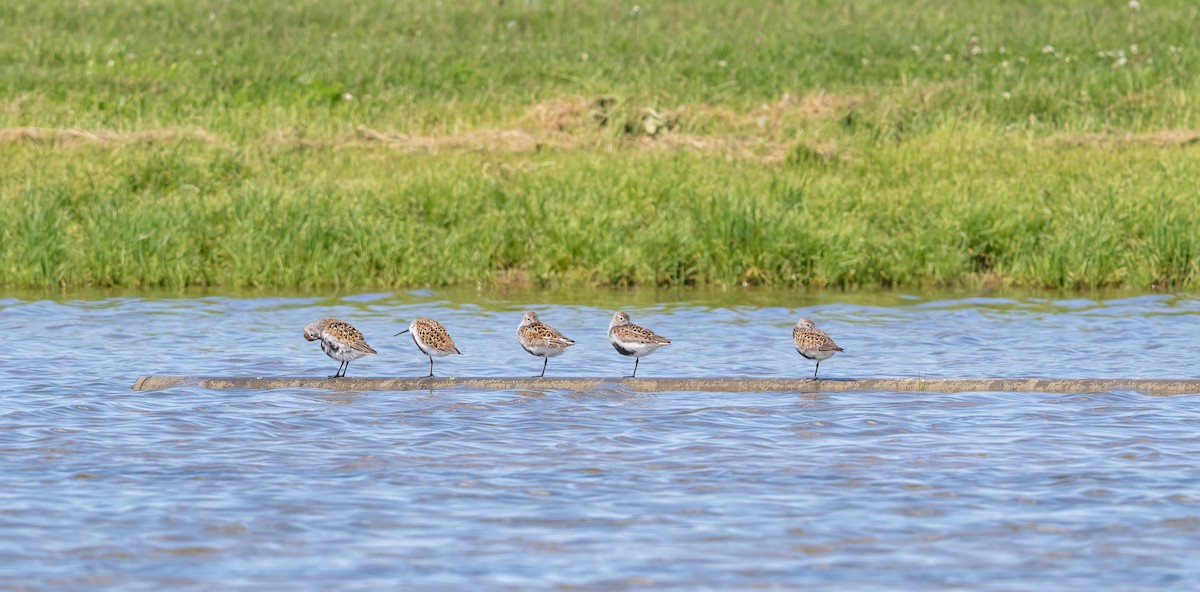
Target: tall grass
306	143
930	214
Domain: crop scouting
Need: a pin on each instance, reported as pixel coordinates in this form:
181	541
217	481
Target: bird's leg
545	361
636	361
338	374
815	369
430	367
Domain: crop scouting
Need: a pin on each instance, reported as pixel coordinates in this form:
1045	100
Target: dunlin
432	338
541	339
633	340
340	341
813	343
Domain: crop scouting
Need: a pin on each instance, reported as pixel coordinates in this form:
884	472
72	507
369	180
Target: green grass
307	144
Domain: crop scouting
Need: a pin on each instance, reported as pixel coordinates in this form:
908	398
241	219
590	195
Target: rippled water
312	490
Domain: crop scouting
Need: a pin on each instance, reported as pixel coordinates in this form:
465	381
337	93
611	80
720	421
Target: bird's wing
346	333
639	334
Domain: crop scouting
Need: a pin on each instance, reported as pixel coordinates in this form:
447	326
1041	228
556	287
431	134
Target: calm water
300	489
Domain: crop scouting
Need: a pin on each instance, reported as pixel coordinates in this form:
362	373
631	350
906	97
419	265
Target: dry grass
764	134
72	136
1159	139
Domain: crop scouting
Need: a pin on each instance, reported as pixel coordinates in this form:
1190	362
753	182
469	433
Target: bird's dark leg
815	369
339	373
635	365
544	363
430	367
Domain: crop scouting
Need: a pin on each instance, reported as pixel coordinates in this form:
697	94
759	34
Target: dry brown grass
1159	139
482	140
580	123
574	123
72	136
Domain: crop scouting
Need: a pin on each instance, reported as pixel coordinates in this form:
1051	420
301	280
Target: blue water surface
298	489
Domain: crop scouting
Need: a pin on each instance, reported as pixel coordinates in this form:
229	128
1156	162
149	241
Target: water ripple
609	489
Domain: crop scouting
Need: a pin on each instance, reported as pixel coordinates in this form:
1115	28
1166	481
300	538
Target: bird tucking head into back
530	318
312	331
619	319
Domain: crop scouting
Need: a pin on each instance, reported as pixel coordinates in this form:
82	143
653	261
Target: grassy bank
939	213
844	144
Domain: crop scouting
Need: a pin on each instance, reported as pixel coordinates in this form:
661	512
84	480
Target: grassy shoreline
1024	216
846	145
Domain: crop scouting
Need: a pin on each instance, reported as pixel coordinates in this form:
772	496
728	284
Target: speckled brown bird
432	338
340	341
813	343
633	340
541	339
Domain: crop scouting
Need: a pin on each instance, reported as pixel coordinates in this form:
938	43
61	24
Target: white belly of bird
430	351
541	351
636	350
339	353
816	354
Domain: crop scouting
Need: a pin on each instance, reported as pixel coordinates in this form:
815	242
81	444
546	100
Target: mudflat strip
660	385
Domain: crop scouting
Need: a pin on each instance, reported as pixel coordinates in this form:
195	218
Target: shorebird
432	338
340	341
633	340
541	339
813	343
